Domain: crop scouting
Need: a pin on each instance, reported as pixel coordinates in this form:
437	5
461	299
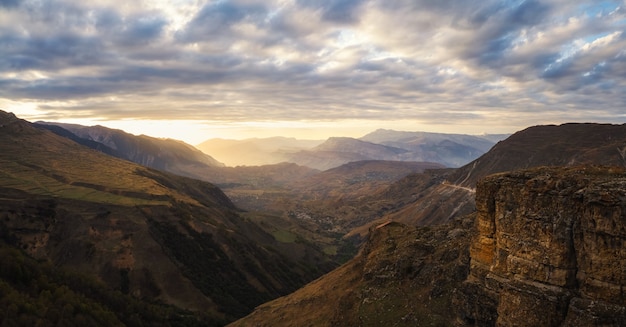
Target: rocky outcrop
403	276
550	249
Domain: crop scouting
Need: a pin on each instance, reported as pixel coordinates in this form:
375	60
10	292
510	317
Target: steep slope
403	276
179	158
147	233
255	151
337	151
340	199
549	249
451	150
36	293
544	249
562	145
359	178
552	145
163	154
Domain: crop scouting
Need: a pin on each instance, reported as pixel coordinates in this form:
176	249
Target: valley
336	163
393	228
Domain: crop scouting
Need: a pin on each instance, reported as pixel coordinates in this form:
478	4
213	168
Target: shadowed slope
403	276
562	145
147	233
451	194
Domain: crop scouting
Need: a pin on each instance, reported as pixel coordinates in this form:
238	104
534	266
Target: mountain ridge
549	145
164	154
452	150
467	272
144	232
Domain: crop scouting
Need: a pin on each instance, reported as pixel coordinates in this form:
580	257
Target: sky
194	70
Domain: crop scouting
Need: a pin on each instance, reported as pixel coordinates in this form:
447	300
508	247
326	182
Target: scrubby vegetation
34	293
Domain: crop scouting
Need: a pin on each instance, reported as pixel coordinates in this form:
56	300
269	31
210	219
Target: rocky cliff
550	249
544	248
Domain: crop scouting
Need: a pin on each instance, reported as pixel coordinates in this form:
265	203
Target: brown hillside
403	276
358	179
563	145
544	249
147	233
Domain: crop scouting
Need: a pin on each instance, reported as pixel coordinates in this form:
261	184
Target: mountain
178	157
552	145
337	151
339	199
543	249
146	233
403	276
255	151
451	150
163	154
257	189
359	178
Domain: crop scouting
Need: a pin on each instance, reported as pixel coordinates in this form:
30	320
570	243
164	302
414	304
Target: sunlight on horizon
195	132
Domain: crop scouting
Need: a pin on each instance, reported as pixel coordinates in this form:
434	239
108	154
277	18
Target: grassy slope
39	162
404	276
135	227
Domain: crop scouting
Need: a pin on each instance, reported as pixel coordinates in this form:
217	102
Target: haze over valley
312	163
255	233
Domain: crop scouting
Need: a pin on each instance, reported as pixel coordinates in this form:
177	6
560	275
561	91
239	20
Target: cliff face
550	249
547	250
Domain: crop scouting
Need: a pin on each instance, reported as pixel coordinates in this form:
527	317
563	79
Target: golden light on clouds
313	69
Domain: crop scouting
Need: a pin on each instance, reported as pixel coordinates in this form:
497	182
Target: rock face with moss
550	249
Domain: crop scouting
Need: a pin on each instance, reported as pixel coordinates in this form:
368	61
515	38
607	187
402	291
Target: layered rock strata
550	249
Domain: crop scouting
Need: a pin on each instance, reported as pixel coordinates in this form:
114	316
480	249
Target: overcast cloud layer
486	63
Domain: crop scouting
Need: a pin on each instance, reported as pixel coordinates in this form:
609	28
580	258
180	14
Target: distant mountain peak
349	144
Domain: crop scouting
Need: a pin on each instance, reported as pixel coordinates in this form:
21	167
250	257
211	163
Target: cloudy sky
194	70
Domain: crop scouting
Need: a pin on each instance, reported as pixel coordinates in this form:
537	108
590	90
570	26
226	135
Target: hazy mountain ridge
451	150
337	151
177	157
255	151
147	233
164	154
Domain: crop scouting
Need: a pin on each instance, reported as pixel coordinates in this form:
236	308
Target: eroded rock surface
550	249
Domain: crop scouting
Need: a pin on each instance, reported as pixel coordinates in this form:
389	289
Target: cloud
447	60
9	3
336	11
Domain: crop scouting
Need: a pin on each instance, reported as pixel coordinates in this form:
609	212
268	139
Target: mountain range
144	232
163	154
409	276
450	150
543	248
255	151
437	245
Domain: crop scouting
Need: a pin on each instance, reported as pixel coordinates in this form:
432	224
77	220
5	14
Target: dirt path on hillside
469	189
